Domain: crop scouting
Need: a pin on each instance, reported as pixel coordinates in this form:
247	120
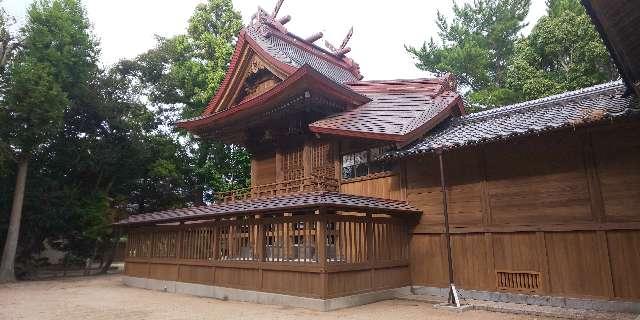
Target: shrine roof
617	21
305	80
296	52
285	203
399	110
587	106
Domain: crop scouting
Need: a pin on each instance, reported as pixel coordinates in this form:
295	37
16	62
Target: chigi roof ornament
263	17
343	49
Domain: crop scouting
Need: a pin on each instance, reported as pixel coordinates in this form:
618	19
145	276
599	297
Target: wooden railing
312	183
348	239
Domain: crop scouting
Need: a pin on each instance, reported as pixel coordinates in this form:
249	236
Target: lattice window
346	241
197	243
139	244
292	164
238	241
164	244
322	160
524	281
390	241
291	240
359	164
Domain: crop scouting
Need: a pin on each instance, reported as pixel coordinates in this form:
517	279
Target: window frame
362	160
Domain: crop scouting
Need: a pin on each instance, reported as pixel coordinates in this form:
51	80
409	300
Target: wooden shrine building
346	203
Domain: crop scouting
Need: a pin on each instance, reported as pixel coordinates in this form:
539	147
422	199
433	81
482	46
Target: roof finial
343	49
284	19
314	37
347	38
277	9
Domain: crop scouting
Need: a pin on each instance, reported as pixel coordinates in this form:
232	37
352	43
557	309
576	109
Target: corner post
321	241
369	234
453	293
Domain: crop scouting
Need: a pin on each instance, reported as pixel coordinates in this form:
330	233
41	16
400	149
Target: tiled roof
570	109
617	21
400	110
296	201
297	52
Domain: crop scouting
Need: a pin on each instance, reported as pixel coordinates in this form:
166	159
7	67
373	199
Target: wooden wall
564	207
304	282
263	169
385	185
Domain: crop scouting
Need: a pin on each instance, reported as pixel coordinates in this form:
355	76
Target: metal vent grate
527	281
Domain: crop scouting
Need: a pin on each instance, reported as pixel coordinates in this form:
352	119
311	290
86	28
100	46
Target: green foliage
33	107
476	43
49	83
481	47
186	70
563	52
180	75
57	33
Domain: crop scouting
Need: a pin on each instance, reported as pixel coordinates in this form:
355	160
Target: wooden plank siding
552	204
564	207
318	255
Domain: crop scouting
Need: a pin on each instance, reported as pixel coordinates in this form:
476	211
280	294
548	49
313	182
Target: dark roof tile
307	200
570	109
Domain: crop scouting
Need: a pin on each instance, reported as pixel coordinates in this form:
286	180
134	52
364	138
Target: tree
8	41
476	45
180	76
47	75
563	52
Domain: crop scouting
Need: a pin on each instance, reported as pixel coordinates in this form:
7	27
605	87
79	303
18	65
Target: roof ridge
580	93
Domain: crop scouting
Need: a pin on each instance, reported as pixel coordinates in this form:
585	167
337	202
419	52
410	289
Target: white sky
126	28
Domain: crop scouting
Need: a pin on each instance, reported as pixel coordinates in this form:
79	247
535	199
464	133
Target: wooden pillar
279	166
260	243
216	242
321	239
321	242
306	158
337	161
593	180
369	235
253	171
179	241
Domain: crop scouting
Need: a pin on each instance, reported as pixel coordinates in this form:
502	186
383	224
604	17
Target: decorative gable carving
257	80
253	78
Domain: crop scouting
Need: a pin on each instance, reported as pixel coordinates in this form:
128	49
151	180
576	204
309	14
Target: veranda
322	252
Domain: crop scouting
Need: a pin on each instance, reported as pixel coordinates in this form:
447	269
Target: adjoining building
346	204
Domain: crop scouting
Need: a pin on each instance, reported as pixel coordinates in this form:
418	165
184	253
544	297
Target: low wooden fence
318	255
308	184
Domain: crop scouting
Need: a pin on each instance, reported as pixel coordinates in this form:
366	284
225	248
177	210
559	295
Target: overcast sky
126	28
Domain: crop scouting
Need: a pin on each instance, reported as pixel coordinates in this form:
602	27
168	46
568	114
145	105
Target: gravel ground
104	297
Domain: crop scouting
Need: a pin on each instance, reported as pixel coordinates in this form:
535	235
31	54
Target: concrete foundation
562	302
223	293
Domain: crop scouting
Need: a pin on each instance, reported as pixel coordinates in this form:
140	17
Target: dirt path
106	298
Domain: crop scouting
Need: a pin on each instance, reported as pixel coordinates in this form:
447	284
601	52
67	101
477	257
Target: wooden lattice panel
164	244
525	281
322	160
139	244
292	164
197	243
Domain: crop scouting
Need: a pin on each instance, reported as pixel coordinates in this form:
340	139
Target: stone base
223	293
562	302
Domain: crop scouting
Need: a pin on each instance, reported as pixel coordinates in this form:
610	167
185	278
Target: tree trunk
7	272
110	252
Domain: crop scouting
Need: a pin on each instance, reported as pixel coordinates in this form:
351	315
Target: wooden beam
593	180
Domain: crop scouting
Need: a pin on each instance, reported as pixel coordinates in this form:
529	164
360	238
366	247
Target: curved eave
305	78
400	138
319	52
243	41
